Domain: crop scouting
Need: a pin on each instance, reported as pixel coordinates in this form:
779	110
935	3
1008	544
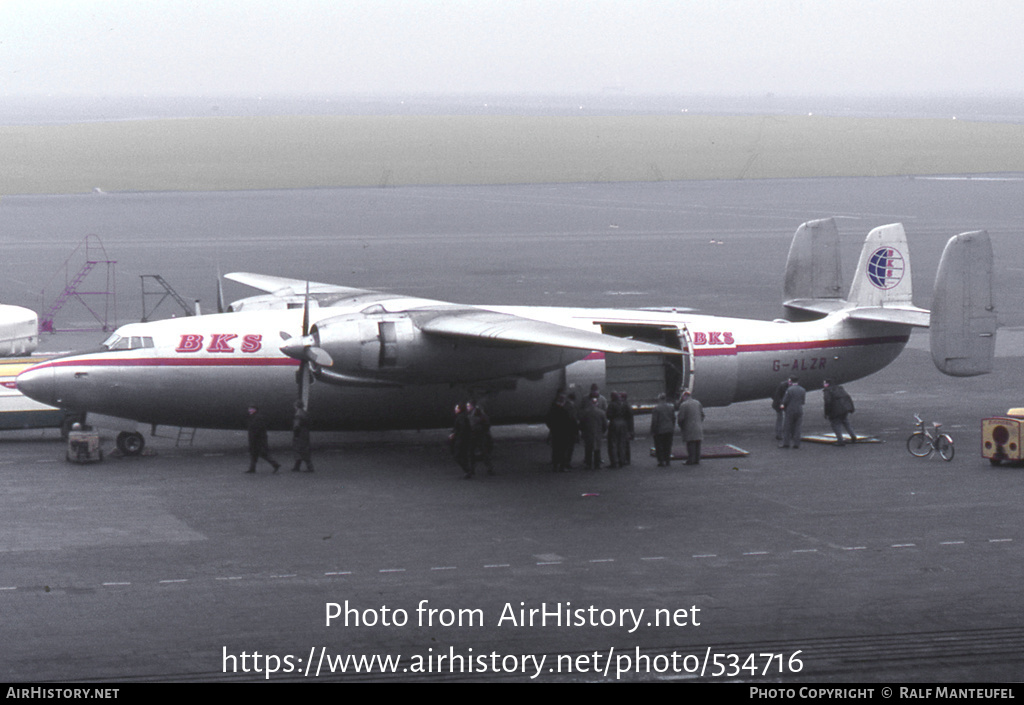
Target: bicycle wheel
944	444
919	445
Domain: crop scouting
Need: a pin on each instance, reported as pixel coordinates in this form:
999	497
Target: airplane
19	330
365	359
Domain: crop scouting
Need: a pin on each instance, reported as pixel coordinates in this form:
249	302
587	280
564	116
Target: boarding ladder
186	436
99	303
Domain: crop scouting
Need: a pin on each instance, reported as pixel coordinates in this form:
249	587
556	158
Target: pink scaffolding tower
85	267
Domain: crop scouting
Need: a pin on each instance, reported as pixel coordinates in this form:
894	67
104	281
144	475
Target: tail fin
963	320
814	277
883	273
812	269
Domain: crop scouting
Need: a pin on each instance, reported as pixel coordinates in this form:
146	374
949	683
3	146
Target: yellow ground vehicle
1002	437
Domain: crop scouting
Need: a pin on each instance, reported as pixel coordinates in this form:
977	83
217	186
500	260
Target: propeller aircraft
19	330
364	359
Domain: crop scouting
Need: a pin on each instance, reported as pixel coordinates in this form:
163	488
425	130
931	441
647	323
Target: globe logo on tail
886	267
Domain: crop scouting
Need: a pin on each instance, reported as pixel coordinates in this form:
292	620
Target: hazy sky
262	47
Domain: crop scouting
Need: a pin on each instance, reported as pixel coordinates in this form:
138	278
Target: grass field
201	154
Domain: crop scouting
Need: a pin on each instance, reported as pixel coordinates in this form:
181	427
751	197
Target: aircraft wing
282	286
495	327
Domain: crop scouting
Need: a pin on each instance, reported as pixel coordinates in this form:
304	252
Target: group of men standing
259	444
688	413
590	421
570	421
788	403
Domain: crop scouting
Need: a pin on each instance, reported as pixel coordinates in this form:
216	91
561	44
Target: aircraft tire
130	442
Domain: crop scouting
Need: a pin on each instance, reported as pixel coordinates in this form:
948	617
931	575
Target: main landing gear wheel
130	442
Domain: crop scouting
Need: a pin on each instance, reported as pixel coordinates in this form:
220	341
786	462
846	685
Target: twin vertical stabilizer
883	273
962	319
812	269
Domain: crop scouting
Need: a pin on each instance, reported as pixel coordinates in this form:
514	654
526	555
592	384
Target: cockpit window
126	342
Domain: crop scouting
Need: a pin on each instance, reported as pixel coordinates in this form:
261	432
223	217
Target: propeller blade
305	313
305	377
305	350
220	293
319	356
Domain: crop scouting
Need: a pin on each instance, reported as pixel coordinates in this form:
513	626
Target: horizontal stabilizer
907	315
963	321
493	326
819	307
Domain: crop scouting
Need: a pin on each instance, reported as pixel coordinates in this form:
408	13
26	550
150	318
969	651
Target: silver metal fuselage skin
205	371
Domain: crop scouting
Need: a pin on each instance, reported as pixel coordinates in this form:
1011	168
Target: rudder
813	284
963	317
883	272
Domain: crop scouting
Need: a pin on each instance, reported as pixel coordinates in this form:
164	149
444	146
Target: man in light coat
793	405
691	423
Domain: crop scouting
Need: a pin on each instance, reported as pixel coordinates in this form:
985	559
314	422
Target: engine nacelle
391	349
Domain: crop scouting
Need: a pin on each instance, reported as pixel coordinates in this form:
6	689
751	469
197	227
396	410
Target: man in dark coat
838	407
562	424
793	405
691	424
461	440
593	424
620	422
573	407
663	425
259	444
780	415
480	436
300	438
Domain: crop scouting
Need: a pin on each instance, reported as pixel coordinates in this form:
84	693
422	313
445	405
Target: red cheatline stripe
773	347
174	362
817	344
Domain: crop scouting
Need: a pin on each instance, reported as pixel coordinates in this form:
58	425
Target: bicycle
923	442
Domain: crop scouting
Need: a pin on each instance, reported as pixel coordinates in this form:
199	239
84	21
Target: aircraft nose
40	384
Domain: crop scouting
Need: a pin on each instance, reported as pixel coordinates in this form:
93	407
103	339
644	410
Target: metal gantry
162	291
88	258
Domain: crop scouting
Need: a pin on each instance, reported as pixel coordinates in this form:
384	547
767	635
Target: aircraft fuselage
205	371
